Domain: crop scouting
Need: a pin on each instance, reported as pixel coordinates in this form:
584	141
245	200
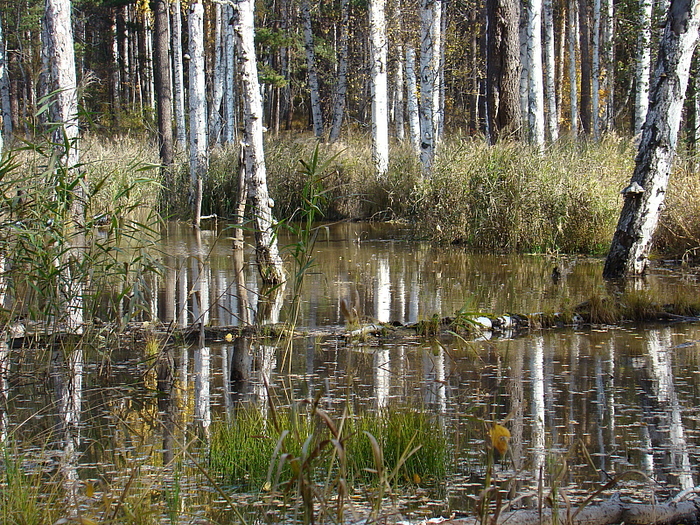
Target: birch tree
550	72
199	147
535	83
230	96
341	87
316	113
217	91
178	73
644	197
502	68
412	100
266	250
595	73
428	75
572	35
380	114
59	49
642	70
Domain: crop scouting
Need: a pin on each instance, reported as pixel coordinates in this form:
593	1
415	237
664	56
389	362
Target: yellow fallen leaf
500	436
228	338
267	487
416	478
89	490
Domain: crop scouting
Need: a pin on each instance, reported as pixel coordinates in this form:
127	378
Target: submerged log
608	513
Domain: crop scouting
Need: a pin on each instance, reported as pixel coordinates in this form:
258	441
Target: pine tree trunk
178	74
199	147
644	197
316	113
502	69
535	84
161	54
643	65
412	100
380	115
342	82
266	250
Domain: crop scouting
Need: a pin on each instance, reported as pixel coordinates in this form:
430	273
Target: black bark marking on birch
679	13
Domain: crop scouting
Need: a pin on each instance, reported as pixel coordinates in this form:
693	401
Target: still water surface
627	395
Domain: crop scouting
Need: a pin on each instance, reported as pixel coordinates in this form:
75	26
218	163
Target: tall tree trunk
572	34
595	73
502	68
535	84
230	95
316	113
644	197
380	114
412	100
399	90
550	72
643	65
5	106
199	147
341	88
64	113
427	83
161	48
609	63
115	80
439	24
585	38
266	250
178	74
217	91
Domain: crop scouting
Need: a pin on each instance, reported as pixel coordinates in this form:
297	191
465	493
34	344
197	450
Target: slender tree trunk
584	33
609	63
438	61
595	80
643	65
115	88
230	95
412	100
399	90
502	68
5	107
644	197
199	147
427	84
524	70
380	115
573	78
342	83
266	250
316	113
217	94
161	53
64	113
178	74
550	71
535	84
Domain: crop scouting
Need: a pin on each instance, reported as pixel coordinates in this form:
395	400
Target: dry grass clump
678	233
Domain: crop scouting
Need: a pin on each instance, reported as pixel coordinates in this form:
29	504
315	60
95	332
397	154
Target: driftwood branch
609	513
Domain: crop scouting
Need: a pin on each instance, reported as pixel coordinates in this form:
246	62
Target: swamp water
607	399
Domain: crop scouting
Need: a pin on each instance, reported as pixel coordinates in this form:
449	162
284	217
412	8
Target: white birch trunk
643	66
644	197
199	148
266	250
438	77
342	83
595	81
412	100
427	83
550	69
535	83
609	63
178	74
380	109
215	122
572	36
64	113
230	127
399	102
316	113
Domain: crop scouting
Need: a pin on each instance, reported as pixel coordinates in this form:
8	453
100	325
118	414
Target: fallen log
612	512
